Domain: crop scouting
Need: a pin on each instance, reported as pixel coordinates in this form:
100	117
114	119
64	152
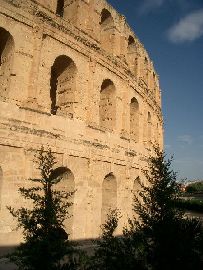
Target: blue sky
172	33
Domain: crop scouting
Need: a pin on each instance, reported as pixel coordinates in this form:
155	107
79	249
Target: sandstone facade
73	76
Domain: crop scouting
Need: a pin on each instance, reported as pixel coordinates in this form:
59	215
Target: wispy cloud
187	139
188	28
149	5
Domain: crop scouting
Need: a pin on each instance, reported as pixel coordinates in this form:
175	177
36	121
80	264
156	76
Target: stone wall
73	76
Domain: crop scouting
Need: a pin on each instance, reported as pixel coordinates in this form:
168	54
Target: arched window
132	56
145	70
131	45
154	84
135	190
136	185
109	195
67	184
134	120
157	133
6	61
63	85
60	8
107	30
149	127
107	105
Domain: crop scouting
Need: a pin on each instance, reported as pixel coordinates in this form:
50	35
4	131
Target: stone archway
63	86
145	67
109	195
135	189
149	127
107	105
60	8
136	185
67	184
6	61
107	31
134	119
132	55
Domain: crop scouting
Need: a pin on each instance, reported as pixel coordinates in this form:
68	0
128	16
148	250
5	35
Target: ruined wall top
99	21
104	32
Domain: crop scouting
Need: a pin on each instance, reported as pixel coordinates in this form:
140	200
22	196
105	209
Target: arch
132	47
109	195
131	44
149	126
60	8
107	105
135	189
67	184
156	85
154	77
136	185
63	86
145	70
157	134
107	30
134	119
6	61
132	56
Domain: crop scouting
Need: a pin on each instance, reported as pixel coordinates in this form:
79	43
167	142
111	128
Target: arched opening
135	190
157	134
6	61
109	195
149	127
134	120
145	70
63	85
67	184
107	105
60	8
131	45
155	86
136	186
154	83
156	127
132	56
107	30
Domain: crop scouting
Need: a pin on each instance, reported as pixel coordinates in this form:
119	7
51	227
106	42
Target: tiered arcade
73	76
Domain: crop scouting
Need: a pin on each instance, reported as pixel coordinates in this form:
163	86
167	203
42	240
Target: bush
194	187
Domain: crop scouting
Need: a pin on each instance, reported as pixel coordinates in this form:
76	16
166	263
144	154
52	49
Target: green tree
46	245
116	252
170	240
195	187
159	236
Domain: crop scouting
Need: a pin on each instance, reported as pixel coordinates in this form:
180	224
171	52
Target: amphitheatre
75	78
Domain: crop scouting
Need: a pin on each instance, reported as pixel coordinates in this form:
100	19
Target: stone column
93	102
123	41
37	46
